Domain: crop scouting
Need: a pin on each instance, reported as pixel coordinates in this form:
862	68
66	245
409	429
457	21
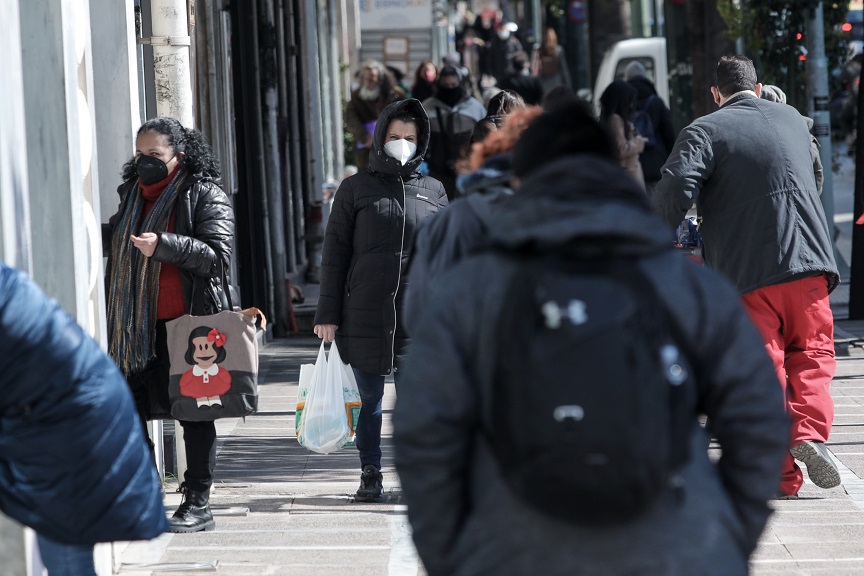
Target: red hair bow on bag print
217	338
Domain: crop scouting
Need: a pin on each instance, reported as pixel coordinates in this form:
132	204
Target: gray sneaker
820	466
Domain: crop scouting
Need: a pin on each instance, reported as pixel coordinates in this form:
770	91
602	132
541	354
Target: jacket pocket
350	277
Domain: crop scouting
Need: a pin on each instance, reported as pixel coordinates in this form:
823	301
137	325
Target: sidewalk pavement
281	510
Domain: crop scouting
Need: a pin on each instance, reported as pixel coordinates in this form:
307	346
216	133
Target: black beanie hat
564	131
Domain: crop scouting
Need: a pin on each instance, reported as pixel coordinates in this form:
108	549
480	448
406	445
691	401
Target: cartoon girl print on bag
205	381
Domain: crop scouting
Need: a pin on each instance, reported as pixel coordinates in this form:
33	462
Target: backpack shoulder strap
648	103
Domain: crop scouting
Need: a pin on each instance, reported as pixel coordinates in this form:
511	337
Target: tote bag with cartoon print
214	365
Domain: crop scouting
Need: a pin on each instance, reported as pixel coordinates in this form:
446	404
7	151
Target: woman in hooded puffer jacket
369	237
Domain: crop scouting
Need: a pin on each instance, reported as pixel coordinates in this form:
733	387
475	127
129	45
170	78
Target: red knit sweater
170	304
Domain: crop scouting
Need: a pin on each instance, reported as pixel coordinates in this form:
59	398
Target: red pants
796	322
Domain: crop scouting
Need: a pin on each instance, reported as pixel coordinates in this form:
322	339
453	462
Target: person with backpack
653	120
526	444
764	228
617	105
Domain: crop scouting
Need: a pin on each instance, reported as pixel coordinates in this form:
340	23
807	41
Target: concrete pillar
58	120
171	63
14	205
115	93
14	217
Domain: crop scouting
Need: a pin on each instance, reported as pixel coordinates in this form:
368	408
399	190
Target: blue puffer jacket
73	463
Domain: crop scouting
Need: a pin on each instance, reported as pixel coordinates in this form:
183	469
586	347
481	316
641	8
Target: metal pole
537	22
268	78
171	63
817	82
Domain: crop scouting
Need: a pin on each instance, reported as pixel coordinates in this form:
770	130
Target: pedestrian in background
503	103
550	63
452	115
75	467
169	252
369	237
424	80
763	227
496	59
377	89
499	107
574	202
484	181
522	81
617	104
655	112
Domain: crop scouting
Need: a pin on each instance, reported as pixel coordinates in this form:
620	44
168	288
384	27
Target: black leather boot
193	514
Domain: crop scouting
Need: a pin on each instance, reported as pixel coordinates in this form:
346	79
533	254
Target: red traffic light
846	27
798	36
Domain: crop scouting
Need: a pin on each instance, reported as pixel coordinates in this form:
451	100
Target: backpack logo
574	312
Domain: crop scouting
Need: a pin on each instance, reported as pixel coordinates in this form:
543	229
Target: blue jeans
66	559
368	432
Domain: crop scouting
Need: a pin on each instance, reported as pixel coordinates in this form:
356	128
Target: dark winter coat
73	463
455	233
369	237
528	86
200	245
749	168
464	518
653	157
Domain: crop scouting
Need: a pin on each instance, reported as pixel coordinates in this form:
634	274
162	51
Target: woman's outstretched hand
146	243
327	332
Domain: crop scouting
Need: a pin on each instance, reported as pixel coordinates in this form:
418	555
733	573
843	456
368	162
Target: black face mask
151	170
450	96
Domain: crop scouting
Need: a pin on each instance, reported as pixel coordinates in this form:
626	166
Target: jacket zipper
398	276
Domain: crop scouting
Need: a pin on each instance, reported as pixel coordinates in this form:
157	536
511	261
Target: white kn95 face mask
401	150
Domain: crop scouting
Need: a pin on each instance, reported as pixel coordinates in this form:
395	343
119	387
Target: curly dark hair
199	158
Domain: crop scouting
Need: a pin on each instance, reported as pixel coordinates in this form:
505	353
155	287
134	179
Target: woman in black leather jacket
168	249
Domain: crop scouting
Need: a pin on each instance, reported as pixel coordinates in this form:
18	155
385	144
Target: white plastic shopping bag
307	375
350	393
323	422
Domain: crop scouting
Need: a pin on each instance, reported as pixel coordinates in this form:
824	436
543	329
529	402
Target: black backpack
589	415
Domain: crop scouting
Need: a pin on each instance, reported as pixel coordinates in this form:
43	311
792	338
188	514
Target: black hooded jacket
464	517
369	237
200	245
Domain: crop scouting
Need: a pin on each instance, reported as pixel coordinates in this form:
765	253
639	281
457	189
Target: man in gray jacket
748	168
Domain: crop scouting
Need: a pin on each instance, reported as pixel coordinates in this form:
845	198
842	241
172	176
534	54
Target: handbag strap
226	287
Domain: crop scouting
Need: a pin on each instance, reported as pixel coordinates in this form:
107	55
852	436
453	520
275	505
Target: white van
650	52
